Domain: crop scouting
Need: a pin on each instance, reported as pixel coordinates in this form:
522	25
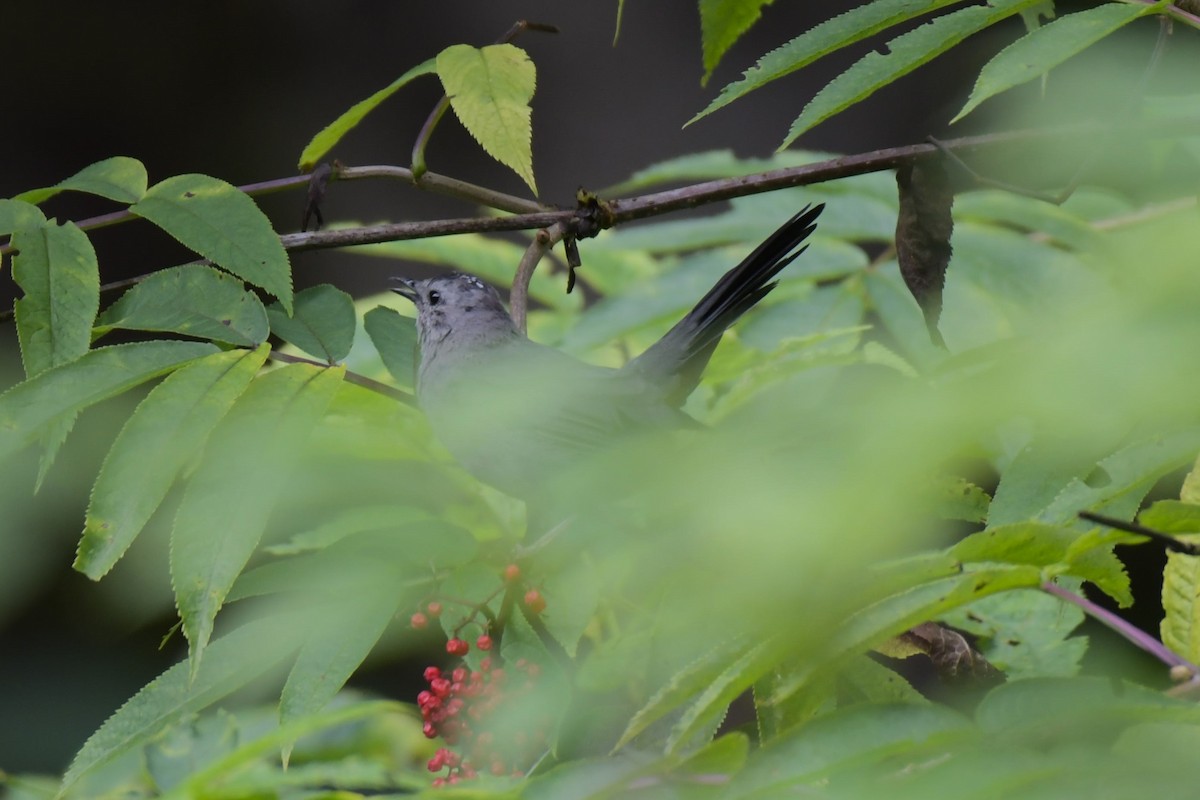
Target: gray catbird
516	413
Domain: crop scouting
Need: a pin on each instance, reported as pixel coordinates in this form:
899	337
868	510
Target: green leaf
224	511
1120	481
1047	46
194	300
706	712
332	133
118	178
322	323
489	89
1172	516
897	613
28	407
352	521
722	22
905	53
234	660
832	35
682	686
56	268
1085	555
221	223
960	499
848	738
1025	634
15	215
1180	627
168	427
340	638
395	337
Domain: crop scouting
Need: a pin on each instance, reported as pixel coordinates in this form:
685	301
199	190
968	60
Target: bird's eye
435	297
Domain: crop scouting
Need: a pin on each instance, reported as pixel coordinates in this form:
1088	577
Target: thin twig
543	242
1126	629
431	122
351	377
450	187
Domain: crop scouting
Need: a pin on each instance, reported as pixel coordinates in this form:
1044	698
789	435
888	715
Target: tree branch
351	377
543	242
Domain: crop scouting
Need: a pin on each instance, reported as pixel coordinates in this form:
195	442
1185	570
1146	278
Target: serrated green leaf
227	502
490	89
1180	627
234	660
682	686
1085	555
322	323
1171	516
119	178
395	338
1047	46
185	748
214	777
1026	213
194	300
56	268
332	133
15	215
28	407
1121	480
904	54
1024	634
168	427
960	499
722	22
340	639
705	713
828	37
355	520
224	225
897	613
864	680
857	736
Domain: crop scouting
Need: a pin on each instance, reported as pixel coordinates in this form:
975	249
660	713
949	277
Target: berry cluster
458	706
461	704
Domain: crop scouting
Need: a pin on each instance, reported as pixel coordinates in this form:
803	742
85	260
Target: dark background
235	90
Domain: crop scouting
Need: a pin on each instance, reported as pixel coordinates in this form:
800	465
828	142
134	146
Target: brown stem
351	377
543	242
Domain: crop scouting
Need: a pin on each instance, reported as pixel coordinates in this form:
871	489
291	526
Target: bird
517	414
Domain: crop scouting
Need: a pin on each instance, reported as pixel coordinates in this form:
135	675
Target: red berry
484	642
486	664
418	621
535	602
432	674
457	647
434	608
429	731
511	573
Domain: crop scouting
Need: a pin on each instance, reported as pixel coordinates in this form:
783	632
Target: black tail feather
680	356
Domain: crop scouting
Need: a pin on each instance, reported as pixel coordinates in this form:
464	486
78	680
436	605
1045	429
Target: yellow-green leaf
332	133
489	89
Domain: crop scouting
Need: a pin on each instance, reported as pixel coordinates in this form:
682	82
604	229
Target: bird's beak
405	288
